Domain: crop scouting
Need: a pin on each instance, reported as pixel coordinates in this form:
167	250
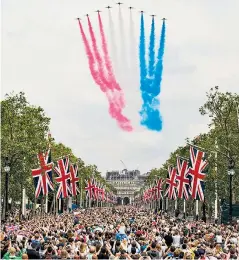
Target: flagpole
196	210
81	192
46	204
237	108
70	203
216	193
54	204
23	202
176	205
184	209
166	206
59	204
89	202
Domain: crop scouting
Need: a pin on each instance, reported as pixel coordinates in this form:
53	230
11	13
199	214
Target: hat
201	251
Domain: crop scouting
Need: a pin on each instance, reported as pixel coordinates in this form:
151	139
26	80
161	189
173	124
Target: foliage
223	136
220	143
24	135
24	128
59	150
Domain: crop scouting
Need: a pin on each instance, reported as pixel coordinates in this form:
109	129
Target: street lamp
230	172
6	170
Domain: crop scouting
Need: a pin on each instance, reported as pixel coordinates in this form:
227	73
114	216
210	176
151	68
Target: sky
43	55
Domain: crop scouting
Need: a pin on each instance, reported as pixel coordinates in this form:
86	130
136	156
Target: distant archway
119	201
126	201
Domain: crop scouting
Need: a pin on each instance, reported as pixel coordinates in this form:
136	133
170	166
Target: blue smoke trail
143	73
150	88
142	60
159	64
151	49
155	119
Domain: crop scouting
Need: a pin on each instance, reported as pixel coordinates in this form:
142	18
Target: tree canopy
25	131
220	143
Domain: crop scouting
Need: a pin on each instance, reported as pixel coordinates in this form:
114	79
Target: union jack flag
64	189
182	179
171	184
148	194
43	175
159	188
74	180
145	196
96	193
154	193
197	172
103	193
89	189
11	228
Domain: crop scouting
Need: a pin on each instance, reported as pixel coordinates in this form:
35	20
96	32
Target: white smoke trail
113	46
133	53
124	66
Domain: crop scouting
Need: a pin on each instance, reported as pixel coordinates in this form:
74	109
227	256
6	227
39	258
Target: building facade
126	184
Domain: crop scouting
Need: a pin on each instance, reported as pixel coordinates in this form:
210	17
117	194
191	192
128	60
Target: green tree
222	108
24	134
222	140
59	150
24	130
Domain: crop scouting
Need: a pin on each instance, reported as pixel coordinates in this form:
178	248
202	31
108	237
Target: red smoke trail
106	54
114	110
98	57
108	83
91	60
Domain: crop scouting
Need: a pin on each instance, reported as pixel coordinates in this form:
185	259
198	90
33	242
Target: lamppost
230	172
6	170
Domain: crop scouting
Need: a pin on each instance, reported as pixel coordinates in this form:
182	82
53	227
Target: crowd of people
123	232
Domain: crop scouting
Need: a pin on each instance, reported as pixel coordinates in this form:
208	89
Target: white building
126	184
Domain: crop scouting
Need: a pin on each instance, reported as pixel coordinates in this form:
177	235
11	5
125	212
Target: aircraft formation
119	4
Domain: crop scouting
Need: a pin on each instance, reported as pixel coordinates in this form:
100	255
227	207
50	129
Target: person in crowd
124	232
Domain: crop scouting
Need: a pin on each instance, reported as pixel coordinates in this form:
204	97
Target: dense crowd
117	233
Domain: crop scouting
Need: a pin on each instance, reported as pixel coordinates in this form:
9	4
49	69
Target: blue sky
43	55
